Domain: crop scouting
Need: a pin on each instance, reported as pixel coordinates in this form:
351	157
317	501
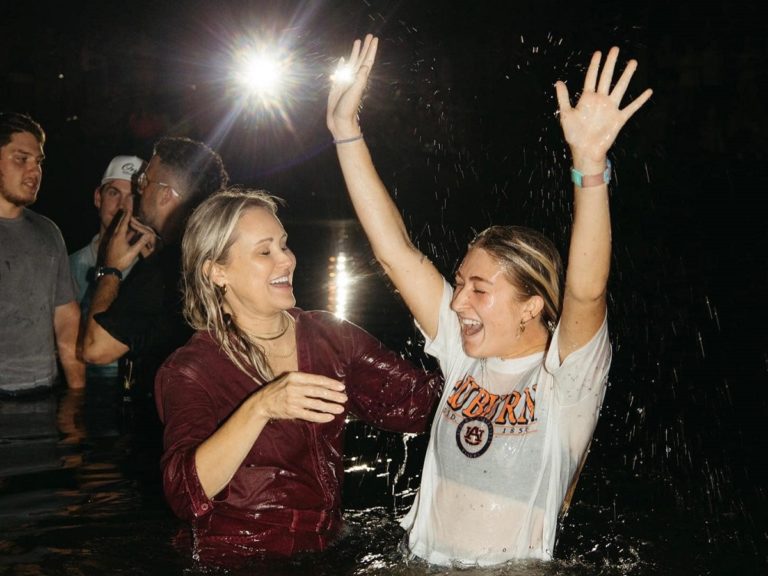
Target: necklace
287	319
272	354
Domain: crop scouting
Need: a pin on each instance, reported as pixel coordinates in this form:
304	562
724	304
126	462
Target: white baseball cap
122	168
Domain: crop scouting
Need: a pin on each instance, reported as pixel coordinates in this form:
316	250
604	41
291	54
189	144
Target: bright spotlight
260	73
266	78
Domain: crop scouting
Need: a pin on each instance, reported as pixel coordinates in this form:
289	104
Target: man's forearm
99	346
66	324
74	369
107	288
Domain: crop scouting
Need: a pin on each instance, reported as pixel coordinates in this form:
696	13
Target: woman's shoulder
319	319
201	367
199	352
320	326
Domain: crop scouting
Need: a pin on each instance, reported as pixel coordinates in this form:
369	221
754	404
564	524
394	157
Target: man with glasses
140	316
115	189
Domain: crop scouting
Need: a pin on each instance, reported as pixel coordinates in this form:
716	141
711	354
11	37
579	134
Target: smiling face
20	172
258	272
489	307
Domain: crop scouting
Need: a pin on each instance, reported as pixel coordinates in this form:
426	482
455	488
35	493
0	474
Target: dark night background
460	120
464	83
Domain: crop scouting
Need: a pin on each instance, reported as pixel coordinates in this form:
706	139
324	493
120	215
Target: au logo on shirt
474	436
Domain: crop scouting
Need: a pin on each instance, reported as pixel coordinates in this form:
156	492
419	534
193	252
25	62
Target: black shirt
147	314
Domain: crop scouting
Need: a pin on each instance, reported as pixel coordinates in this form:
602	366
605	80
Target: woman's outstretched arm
414	276
590	129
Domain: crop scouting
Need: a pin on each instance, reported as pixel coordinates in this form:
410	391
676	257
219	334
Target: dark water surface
661	494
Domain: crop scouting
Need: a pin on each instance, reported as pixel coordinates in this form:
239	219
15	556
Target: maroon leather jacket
286	495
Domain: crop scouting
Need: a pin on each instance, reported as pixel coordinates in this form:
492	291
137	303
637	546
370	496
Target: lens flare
261	74
269	80
343	75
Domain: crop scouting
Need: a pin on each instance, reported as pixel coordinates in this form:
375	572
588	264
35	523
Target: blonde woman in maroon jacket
254	404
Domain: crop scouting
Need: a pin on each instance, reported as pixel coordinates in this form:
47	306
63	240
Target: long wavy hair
531	262
209	235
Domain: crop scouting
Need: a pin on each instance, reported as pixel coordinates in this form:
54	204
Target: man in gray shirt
38	311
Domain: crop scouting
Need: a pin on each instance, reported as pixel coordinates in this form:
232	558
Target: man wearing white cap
108	197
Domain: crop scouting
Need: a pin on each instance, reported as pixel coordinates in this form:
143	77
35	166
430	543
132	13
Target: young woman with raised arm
525	357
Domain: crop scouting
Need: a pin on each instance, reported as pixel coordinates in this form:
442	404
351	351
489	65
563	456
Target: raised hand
130	237
303	396
346	94
591	127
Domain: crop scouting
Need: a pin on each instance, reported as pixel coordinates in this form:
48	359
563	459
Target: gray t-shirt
34	280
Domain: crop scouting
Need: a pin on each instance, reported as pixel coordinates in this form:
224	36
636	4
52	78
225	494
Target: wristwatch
585	181
105	271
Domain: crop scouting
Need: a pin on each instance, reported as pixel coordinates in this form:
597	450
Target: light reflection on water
341	269
339	284
80	490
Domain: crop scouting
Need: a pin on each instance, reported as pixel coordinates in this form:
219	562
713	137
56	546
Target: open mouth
281	282
470	327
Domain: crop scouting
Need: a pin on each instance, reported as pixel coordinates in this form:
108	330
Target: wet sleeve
77	278
186	410
580	383
584	373
79	267
385	389
446	347
65	287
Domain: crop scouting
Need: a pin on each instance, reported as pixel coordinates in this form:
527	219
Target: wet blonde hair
530	261
209	235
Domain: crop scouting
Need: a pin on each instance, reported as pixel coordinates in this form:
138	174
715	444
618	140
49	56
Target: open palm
345	96
592	125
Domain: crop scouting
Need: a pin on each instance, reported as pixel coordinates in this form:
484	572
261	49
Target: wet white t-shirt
506	442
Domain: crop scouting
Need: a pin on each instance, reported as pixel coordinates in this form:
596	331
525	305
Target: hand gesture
129	238
592	126
345	95
303	396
